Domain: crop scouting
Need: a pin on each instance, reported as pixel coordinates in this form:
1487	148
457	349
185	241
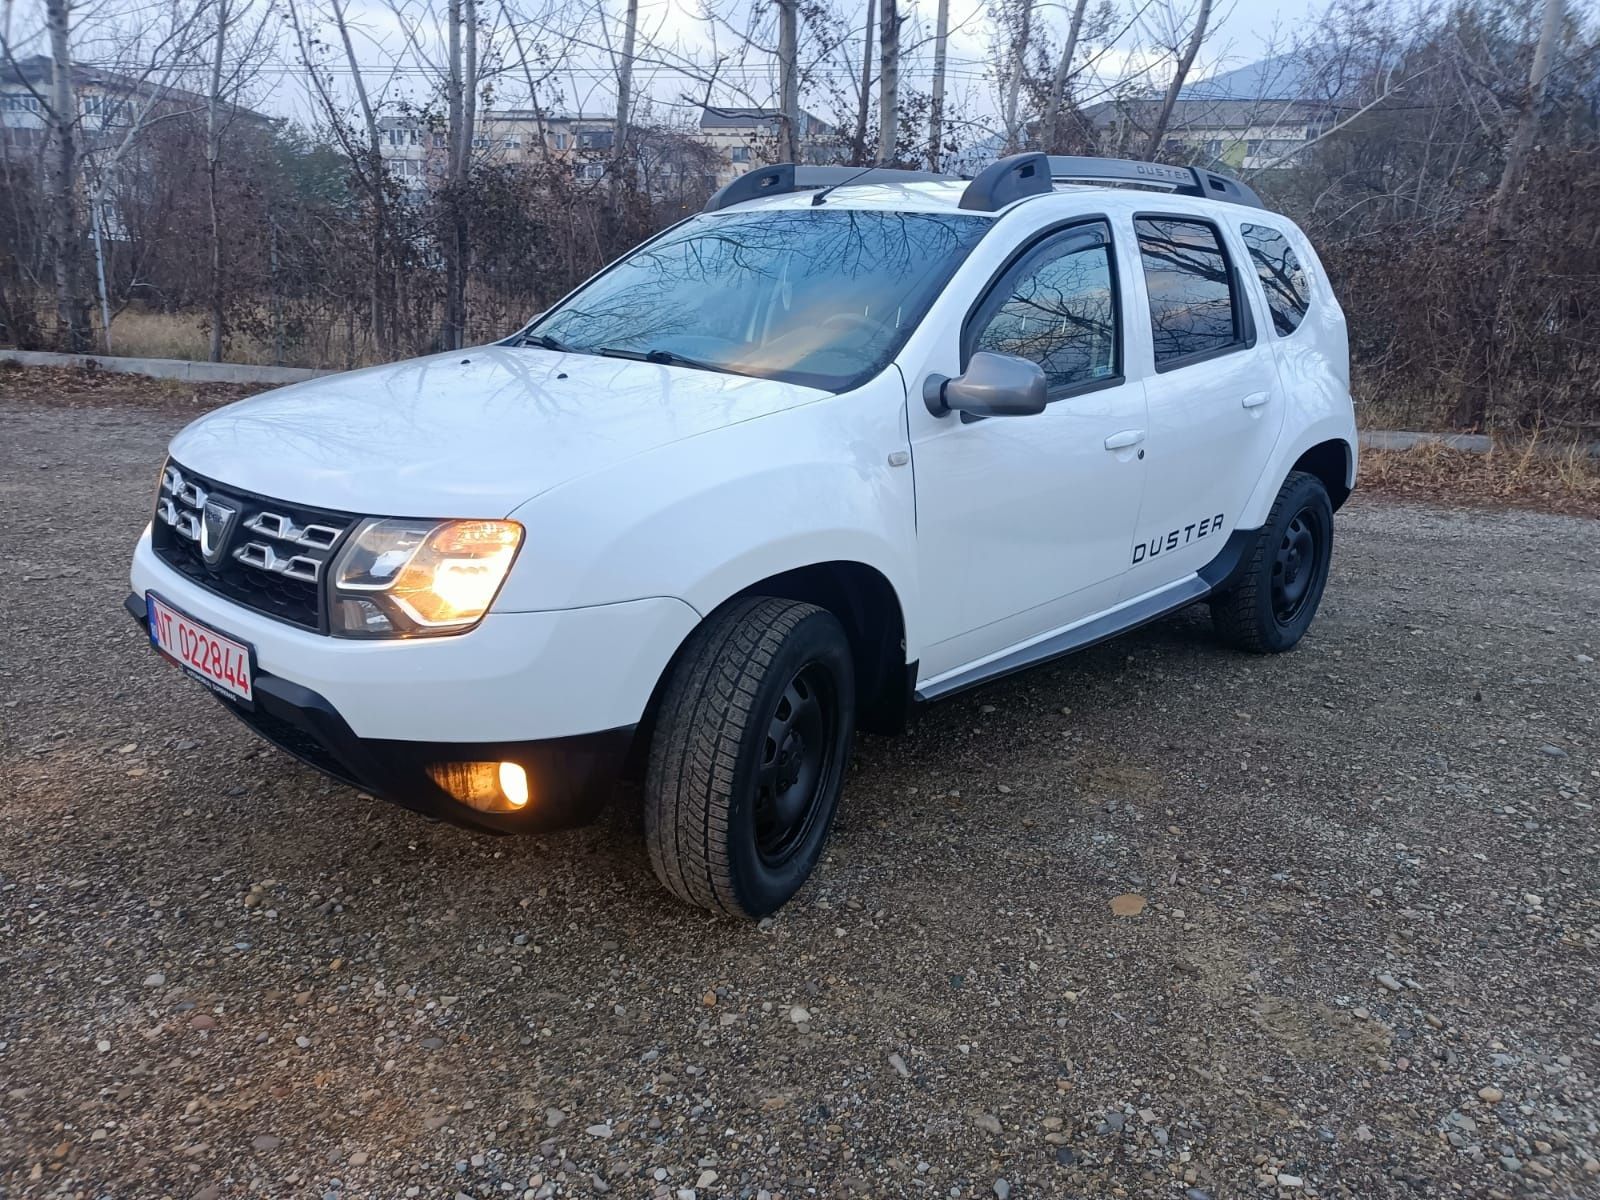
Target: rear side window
1193	309
1058	308
1282	277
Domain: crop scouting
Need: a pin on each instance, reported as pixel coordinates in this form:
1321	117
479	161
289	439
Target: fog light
514	784
485	786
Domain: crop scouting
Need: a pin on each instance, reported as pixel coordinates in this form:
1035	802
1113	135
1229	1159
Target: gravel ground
1361	961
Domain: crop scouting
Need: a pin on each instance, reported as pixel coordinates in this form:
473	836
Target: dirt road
1366	967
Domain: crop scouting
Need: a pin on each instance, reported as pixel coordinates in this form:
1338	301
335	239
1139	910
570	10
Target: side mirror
994	385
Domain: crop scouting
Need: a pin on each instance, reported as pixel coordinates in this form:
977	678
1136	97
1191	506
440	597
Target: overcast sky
1245	31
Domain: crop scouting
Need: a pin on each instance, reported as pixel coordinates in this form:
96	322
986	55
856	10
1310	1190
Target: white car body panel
652	494
1314	377
995	499
472	433
516	676
810	485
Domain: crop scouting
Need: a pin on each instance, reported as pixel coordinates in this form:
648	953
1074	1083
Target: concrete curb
164	368
1393	439
1475	443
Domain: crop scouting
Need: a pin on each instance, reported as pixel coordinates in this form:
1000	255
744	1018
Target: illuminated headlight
404	578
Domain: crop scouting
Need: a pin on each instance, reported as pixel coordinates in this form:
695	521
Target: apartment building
107	103
745	138
1243	119
725	143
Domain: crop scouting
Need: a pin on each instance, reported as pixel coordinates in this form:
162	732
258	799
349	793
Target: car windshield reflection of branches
823	297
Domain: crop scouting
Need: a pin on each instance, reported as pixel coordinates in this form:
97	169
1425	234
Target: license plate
219	662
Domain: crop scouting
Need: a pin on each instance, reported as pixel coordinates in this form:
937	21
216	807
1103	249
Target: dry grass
139	333
1531	475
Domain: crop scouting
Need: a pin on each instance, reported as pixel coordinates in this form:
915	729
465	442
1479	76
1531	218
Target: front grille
268	555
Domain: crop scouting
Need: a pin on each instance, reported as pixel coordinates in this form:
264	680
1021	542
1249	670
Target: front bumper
517	676
571	778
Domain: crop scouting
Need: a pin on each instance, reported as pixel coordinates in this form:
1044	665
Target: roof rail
1186	181
1022	175
782	178
1000	183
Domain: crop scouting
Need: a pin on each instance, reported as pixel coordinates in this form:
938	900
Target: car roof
944	196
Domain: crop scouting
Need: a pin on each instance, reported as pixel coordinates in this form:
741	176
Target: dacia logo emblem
216	523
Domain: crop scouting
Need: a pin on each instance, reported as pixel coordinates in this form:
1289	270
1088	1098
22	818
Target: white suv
842	443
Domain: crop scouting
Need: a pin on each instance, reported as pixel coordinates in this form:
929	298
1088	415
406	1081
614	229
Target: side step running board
1214	576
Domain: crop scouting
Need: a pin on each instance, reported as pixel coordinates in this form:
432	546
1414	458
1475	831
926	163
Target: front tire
1276	596
748	755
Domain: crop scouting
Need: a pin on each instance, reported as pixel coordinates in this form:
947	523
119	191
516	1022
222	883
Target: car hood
470	433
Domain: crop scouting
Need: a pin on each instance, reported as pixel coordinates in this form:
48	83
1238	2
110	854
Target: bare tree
941	39
213	166
461	86
135	96
888	82
625	62
1158	131
227	78
1021	22
789	76
366	159
1051	123
1528	116
864	99
61	184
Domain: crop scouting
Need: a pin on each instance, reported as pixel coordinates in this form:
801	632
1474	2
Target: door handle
1256	399
1121	441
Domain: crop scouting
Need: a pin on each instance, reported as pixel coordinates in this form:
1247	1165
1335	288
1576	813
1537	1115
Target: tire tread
1235	613
700	727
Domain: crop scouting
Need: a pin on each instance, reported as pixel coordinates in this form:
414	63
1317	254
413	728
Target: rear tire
748	755
1272	603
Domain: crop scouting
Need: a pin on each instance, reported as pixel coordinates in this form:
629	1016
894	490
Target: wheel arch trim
870	607
1335	435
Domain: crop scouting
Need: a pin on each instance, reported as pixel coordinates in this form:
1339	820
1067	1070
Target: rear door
1212	391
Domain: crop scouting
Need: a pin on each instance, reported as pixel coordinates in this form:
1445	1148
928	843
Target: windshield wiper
543	340
669	358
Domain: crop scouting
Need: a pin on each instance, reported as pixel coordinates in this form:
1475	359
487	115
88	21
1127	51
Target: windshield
816	296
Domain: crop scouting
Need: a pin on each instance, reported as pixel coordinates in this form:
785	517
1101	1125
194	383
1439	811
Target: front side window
1059	309
1282	277
1192	305
820	296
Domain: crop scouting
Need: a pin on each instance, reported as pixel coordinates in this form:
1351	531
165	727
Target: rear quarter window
1282	278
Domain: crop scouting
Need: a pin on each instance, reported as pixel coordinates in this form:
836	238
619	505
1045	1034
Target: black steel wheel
796	763
1294	569
1271	604
748	754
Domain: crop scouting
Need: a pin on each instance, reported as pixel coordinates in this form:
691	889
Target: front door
1024	523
